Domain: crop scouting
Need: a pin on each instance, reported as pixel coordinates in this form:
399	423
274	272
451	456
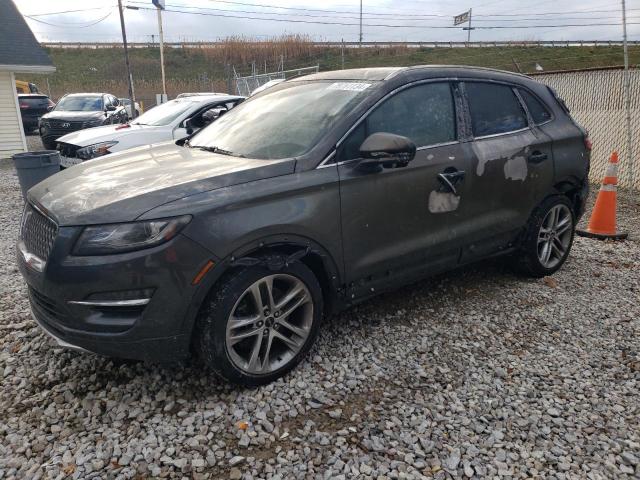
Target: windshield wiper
217	150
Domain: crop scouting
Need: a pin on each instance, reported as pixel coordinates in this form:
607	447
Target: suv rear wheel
259	323
549	237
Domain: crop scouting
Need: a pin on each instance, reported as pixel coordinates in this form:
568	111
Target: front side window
494	109
538	111
424	113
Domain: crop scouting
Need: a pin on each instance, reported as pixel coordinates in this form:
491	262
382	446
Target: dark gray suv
307	198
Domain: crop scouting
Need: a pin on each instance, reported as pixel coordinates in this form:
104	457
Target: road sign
462	18
158	3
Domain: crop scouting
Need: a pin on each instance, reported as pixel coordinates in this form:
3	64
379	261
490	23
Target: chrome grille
65	125
38	232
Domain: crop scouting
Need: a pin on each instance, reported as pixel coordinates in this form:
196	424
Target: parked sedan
314	195
78	111
32	107
173	120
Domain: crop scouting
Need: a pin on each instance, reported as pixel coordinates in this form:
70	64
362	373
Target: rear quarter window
539	113
494	109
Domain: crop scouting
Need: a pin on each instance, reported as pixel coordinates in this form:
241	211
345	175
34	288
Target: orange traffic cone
602	224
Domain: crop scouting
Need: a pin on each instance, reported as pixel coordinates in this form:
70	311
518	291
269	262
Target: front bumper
70	298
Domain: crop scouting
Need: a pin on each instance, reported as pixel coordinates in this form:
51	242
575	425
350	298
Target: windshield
164	114
281	124
80	104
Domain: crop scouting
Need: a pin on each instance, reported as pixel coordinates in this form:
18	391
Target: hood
123	186
89	136
73	116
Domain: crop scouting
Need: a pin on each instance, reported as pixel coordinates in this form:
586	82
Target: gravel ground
34	142
477	373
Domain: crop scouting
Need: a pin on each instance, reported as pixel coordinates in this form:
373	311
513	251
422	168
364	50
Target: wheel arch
309	252
576	190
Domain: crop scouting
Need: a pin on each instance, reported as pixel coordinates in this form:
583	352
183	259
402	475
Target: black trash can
34	167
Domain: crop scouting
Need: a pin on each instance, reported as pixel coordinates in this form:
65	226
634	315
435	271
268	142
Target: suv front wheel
549	237
260	322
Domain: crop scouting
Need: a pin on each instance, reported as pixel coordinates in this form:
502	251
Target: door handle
451	179
537	157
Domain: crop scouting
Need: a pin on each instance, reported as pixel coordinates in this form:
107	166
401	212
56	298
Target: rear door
402	222
512	160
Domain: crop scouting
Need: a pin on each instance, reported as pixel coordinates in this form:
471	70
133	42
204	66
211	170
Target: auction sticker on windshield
350	86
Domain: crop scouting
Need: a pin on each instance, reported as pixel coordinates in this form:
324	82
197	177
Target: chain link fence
246	85
596	100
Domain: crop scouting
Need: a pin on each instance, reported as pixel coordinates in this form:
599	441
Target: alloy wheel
554	237
269	324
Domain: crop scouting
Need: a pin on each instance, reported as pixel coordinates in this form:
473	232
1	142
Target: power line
232	2
75	25
69	11
318	22
356	17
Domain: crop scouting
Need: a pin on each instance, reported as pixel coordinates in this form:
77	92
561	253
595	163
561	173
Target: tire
229	347
548	237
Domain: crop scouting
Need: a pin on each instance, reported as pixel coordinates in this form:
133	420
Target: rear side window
33	102
538	111
494	109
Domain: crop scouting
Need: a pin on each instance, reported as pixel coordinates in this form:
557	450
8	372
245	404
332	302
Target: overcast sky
515	14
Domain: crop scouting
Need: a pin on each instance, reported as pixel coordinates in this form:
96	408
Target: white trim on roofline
15	98
28	68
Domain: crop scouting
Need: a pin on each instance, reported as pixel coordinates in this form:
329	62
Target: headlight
95	150
127	237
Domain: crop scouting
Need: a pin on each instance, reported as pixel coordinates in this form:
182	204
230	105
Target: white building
20	53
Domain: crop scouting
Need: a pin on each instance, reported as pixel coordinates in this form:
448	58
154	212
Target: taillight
587	143
24	105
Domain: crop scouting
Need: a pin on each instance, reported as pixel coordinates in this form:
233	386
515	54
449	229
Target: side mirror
386	150
111	108
188	124
213	114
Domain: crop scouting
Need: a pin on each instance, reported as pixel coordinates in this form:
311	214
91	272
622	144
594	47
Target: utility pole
342	52
469	27
627	96
360	41
132	95
164	84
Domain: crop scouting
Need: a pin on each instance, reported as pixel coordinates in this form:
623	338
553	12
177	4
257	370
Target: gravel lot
477	373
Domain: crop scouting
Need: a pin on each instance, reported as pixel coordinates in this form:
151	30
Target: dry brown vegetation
210	67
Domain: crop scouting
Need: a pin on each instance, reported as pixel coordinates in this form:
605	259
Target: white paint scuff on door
516	168
504	149
442	202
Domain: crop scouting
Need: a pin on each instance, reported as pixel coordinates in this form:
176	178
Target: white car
173	120
127	106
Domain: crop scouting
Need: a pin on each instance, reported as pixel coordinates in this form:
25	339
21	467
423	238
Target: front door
400	222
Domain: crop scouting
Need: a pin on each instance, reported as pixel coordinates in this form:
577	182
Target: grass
208	69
